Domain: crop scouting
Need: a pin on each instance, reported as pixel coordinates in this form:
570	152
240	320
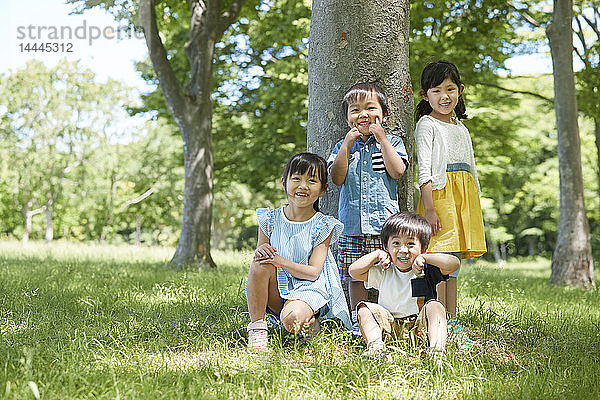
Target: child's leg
437	326
451	296
297	316
369	328
262	291
441	293
357	293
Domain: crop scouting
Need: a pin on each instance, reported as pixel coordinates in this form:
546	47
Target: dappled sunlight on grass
108	322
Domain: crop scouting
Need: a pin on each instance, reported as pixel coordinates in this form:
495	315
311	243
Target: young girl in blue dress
293	273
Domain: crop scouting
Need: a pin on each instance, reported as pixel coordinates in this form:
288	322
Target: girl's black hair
361	90
300	163
406	223
433	75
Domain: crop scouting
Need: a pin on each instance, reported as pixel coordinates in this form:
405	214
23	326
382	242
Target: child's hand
275	260
418	266
434	221
377	130
351	137
384	259
264	252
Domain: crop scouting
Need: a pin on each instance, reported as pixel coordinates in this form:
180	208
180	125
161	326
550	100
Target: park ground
105	322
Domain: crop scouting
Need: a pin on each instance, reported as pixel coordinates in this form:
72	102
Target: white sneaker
257	335
375	348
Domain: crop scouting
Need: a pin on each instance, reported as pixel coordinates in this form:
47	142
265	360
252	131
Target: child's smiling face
363	112
403	249
303	189
443	98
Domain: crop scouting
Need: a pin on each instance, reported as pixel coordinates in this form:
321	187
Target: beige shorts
412	328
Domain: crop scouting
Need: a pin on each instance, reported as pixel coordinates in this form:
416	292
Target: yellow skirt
459	210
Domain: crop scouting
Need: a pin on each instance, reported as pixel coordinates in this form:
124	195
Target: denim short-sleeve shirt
369	195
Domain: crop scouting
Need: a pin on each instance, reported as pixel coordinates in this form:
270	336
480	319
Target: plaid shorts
351	248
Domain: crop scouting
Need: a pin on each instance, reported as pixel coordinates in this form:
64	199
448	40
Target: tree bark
192	112
572	262
48	210
356	41
597	134
28	222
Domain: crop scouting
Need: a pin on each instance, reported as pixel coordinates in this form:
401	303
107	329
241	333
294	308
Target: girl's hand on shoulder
264	252
418	266
434	221
377	130
384	259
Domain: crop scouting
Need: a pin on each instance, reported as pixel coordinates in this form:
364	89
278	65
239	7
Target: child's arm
302	271
339	168
359	269
394	165
430	214
264	250
447	263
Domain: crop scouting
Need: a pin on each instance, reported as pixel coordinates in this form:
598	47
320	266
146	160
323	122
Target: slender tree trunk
28	213
572	262
138	230
28	221
597	134
49	234
531	242
353	41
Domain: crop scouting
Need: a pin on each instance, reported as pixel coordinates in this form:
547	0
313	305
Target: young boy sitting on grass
405	237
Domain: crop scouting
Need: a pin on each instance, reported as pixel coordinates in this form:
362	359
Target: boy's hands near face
351	136
377	130
419	266
384	259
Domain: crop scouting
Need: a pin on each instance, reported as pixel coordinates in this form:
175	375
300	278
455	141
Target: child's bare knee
257	268
435	309
293	320
363	312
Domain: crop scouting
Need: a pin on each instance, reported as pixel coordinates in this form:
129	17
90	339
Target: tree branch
158	55
230	15
137	199
580	35
526	15
528	93
592	24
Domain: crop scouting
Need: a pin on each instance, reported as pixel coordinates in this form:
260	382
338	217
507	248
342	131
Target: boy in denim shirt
366	164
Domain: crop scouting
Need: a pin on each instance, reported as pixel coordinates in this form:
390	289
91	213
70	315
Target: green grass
79	322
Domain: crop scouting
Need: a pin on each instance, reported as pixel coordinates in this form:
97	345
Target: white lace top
439	144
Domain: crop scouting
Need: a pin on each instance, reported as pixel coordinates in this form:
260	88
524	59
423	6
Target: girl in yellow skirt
447	174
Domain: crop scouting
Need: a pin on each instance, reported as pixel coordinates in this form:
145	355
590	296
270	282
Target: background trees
259	99
74	156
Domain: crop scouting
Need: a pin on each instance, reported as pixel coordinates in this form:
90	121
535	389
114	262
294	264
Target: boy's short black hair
362	90
408	224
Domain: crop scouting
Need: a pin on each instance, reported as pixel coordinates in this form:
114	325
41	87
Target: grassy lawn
79	322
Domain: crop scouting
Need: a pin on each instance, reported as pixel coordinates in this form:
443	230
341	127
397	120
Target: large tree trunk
192	112
353	41
194	242
572	262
